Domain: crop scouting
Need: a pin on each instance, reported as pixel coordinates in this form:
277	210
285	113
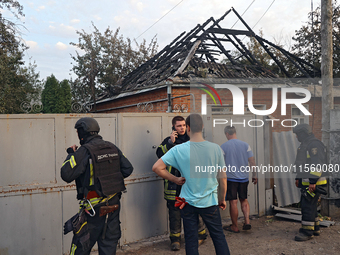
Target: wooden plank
229	31
296	217
188	58
285	210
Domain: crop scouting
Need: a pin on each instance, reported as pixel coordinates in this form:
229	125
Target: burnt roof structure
203	48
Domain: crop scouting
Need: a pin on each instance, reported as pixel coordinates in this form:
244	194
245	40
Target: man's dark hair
195	122
177	118
230	130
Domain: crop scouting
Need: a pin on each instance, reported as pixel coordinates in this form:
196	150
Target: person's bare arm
160	169
251	162
222	189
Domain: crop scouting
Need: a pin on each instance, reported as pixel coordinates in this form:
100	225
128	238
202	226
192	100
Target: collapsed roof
199	52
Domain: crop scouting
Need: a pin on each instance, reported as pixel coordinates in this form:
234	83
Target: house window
298	116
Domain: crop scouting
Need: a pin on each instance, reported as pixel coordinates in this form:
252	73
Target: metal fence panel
19	139
31	224
285	146
144	209
34	200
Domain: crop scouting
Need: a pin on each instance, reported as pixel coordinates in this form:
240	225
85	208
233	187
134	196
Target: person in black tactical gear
98	168
310	178
172	190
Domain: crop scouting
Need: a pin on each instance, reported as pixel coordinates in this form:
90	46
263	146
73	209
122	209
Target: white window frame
300	116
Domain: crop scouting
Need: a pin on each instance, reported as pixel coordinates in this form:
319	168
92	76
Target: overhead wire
264	14
159	19
243	13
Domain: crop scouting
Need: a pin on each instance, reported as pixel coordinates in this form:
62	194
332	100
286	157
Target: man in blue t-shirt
239	160
204	185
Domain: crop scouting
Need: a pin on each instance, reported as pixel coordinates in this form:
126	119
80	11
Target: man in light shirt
203	177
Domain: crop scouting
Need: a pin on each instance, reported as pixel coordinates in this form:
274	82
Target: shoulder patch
314	151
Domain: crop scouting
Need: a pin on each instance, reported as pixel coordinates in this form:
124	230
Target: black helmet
302	128
88	124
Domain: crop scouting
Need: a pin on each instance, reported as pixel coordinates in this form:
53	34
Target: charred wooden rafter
174	59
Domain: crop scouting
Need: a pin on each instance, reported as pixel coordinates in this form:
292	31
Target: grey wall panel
27	151
35	202
285	146
143	211
31	224
70	207
139	138
334	155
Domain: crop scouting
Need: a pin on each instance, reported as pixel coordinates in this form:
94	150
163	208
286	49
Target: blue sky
52	25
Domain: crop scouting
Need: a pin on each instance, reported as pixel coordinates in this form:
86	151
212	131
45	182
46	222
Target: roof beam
226	31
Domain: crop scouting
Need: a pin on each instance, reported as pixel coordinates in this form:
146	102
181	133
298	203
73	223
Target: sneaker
302	237
200	241
175	246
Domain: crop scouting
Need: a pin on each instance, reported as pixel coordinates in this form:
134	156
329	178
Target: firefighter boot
202	236
175	246
304	235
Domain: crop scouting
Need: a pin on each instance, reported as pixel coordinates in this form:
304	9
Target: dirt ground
269	235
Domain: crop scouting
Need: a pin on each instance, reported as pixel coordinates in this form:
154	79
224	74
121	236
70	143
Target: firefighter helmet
305	128
88	124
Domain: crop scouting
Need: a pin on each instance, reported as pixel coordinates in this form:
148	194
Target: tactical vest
303	158
108	179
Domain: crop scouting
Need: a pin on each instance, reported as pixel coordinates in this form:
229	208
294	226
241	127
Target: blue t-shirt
198	163
236	154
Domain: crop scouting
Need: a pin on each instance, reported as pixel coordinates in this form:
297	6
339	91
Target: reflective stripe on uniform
202	232
94	201
316	173
91	173
81	227
72	161
307	223
170	192
73	249
169	197
164	149
308	227
321	181
176	235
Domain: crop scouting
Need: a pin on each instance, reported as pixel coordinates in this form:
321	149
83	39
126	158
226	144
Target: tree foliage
104	59
56	96
18	84
308	39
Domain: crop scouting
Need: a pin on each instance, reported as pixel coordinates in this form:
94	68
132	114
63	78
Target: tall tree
51	96
66	96
107	58
17	82
308	39
56	96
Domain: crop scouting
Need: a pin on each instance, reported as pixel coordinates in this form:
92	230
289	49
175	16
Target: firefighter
310	178
171	190
98	168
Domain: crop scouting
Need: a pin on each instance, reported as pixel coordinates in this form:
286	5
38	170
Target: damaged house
210	54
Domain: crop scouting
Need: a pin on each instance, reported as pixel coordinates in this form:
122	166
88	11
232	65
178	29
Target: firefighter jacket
81	165
171	190
310	163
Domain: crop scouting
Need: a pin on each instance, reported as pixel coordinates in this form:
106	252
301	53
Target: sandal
228	228
246	226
